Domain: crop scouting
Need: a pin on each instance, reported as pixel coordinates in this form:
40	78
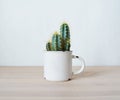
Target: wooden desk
27	83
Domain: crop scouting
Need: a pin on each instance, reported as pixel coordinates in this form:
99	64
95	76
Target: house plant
58	57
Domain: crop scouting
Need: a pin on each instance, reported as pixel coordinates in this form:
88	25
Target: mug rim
57	51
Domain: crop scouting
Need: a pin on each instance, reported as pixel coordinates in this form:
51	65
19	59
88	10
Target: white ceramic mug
58	65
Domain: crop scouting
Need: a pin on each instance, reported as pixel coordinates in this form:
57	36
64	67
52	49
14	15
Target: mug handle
82	64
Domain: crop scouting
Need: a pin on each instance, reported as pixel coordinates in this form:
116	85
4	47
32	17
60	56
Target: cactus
65	33
56	42
60	42
48	46
67	46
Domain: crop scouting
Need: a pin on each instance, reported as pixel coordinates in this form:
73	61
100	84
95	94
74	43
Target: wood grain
27	83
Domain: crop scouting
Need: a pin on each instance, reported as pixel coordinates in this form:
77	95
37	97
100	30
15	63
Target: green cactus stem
65	34
56	42
49	46
67	46
60	43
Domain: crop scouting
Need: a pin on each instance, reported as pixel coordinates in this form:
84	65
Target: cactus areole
60	41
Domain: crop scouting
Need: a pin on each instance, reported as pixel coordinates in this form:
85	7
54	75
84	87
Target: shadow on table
93	72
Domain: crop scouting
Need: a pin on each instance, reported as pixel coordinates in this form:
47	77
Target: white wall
25	26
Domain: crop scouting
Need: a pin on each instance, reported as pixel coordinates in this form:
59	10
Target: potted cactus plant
60	42
58	57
